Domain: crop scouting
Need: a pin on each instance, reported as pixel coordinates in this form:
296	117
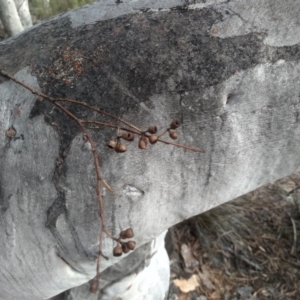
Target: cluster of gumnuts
148	135
124	247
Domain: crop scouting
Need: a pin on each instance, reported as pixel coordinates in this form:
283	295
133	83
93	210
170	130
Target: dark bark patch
115	64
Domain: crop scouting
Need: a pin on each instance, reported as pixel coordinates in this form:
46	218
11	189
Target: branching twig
130	131
145	134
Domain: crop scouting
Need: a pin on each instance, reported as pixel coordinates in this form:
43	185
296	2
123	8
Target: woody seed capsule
143	142
153	139
117	251
126	234
131	245
175	124
10	133
94	286
173	135
111	144
128	136
125	248
152	129
120	148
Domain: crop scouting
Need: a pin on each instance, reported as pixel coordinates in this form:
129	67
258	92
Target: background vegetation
43	9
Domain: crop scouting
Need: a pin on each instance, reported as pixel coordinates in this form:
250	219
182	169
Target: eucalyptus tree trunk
10	18
227	70
24	13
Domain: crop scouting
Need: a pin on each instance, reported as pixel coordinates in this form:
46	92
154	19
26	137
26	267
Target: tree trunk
10	18
24	13
227	70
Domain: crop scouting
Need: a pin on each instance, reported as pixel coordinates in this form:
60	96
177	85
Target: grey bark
228	70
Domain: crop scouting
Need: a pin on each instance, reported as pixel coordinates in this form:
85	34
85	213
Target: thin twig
182	146
139	131
96	160
132	128
100	111
243	258
145	134
110	125
38	93
164	132
85	133
32	90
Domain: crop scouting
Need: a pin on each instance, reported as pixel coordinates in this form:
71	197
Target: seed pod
128	136
131	245
126	234
117	251
120	148
153	139
143	142
10	133
152	129
94	284
175	124
173	135
112	144
125	248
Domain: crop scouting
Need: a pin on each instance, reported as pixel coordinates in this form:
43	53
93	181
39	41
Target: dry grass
251	241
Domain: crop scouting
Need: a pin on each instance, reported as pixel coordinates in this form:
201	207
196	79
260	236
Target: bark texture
228	70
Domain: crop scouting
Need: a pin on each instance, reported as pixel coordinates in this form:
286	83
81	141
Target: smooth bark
24	13
228	70
10	17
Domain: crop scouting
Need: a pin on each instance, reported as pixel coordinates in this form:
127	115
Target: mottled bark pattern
227	70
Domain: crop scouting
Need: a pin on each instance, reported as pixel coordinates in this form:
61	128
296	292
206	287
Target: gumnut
126	234
152	129
117	251
120	148
175	124
94	286
153	139
128	136
10	133
143	142
173	135
112	144
125	248
131	245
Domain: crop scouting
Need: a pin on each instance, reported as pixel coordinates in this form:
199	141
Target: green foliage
43	9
